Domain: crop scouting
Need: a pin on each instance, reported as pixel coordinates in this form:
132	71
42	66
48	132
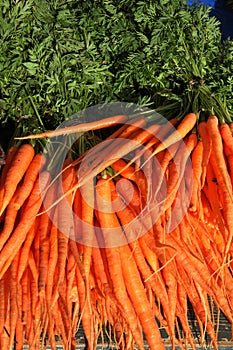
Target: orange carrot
16	172
219	166
26	221
24	252
185	126
94	165
13	300
52	263
197	155
64	222
83	127
30	177
215	136
207	147
9	158
227	138
108	220
129	271
10	221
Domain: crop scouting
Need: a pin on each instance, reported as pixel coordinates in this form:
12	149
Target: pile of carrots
121	240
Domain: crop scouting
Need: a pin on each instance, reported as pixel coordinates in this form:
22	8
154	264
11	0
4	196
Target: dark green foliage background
58	57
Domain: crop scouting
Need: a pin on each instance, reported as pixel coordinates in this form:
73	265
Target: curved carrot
83	127
16	172
197	156
30	177
10	221
108	220
183	128
9	158
52	263
26	221
24	252
132	279
13	300
227	138
215	136
65	221
207	147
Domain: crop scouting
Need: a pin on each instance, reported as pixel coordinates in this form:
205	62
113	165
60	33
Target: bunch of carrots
120	244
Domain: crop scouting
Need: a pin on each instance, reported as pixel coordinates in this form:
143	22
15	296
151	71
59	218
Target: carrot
226	196
16	172
26	222
215	136
53	256
65	223
30	177
139	299
197	303
2	303
43	229
13	300
80	128
131	194
108	220
207	148
177	170
120	166
184	127
70	277
170	280
24	252
166	128
130	272
10	221
19	331
227	138
9	158
119	148
212	195
197	155
85	311
87	224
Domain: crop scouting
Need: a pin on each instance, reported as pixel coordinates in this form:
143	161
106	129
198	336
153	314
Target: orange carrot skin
197	157
16	172
95	125
227	139
107	219
28	217
184	127
30	177
9	158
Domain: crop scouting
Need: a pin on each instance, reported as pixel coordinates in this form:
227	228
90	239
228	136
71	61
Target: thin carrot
215	136
207	147
52	263
107	219
9	158
85	311
13	300
28	217
83	127
16	172
227	138
19	331
94	165
130	273
10	221
30	177
184	127
24	252
197	156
